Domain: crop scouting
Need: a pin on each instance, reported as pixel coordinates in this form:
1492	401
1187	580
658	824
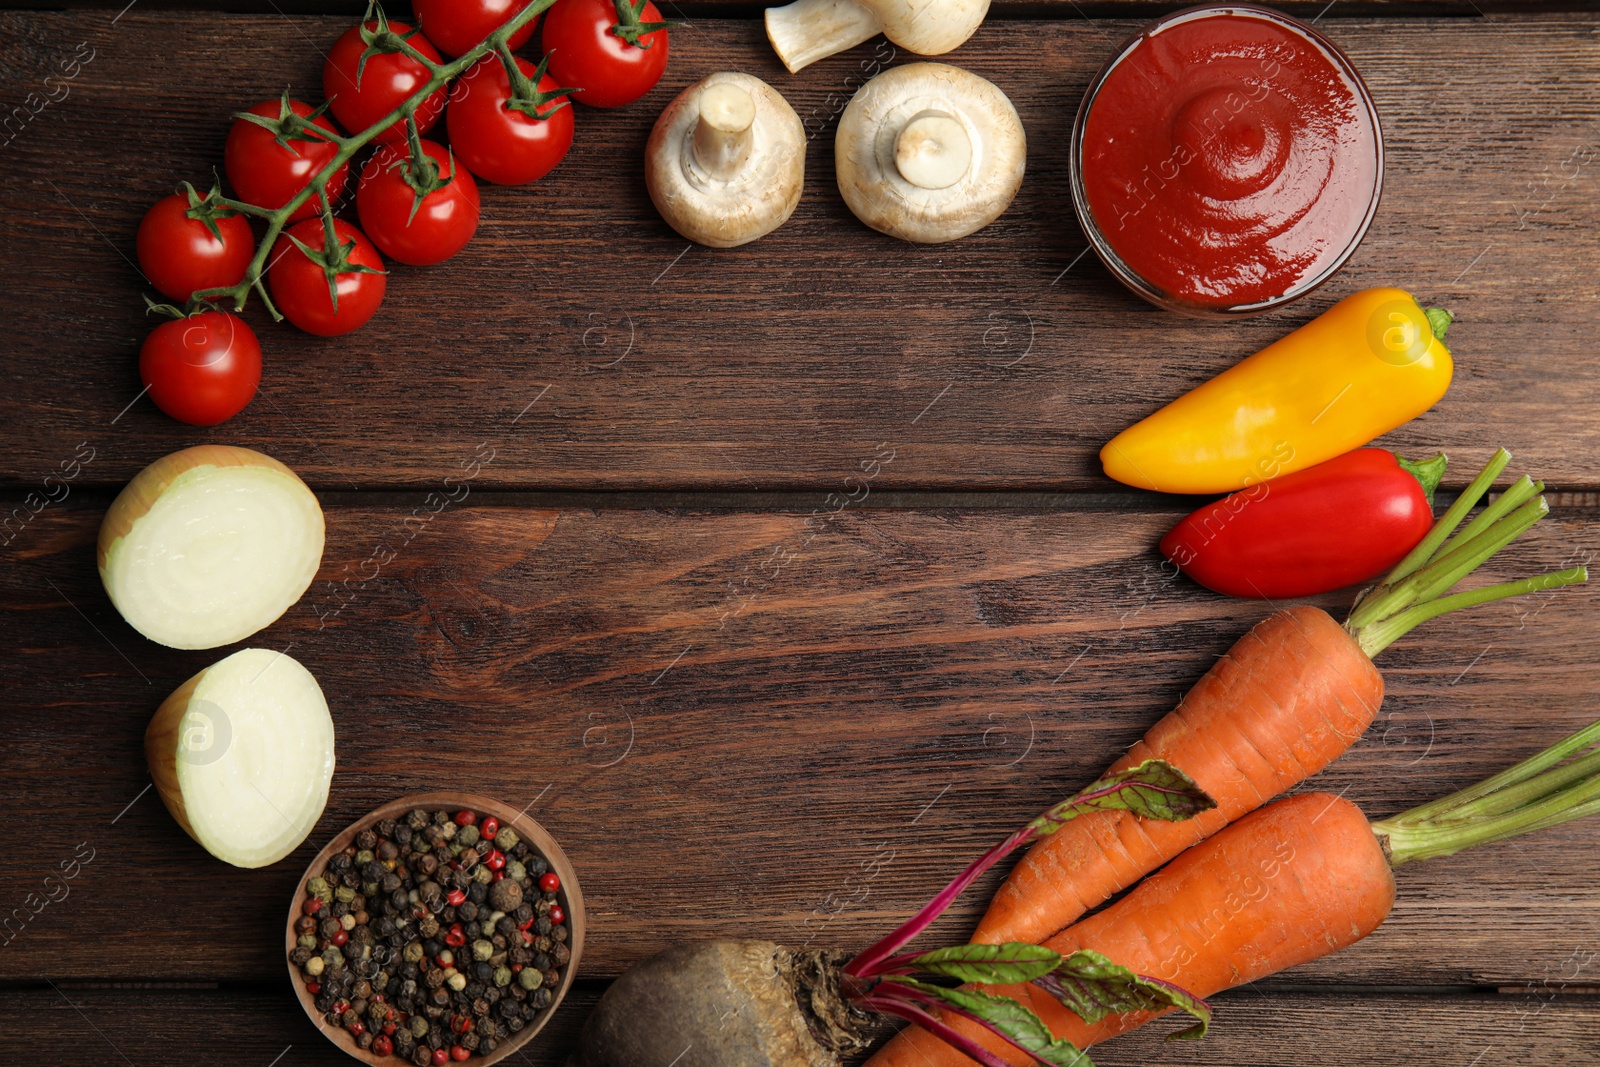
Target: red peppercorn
440	1057
456	937
496	860
549	882
341	1007
497	876
460	1023
516	968
531	920
557	916
340	937
311	906
464	817
458	1053
313	988
388	1028
382	1046
357	1028
456	897
490	827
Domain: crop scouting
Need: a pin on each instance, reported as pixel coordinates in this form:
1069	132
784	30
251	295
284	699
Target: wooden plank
91	1027
1001	361
738	725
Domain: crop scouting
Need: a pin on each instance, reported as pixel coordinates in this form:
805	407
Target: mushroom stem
722	134
933	150
808	30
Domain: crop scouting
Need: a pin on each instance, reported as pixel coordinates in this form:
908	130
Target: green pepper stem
1451	518
1427	472
1535	794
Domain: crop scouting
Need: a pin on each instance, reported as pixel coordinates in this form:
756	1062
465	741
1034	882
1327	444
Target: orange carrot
1288	699
1284	885
1297	880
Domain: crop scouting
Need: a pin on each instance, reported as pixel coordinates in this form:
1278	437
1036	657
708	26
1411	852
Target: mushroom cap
929	27
758	199
868	140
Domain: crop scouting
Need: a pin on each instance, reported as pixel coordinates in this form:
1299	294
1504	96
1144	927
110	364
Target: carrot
1294	881
1288	699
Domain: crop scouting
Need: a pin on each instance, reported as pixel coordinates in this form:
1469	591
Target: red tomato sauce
1230	157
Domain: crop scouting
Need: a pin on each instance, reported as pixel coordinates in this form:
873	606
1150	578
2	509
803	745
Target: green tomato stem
276	219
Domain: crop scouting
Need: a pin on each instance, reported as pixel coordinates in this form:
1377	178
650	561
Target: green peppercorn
456	981
315	966
483	875
515	871
529	979
344	894
316	886
333	958
506	839
482	950
467	836
419	1027
306	941
502	976
364	857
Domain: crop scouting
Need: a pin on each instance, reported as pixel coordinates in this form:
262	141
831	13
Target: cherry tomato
383	84
458	26
180	255
203	369
268	174
300	286
587	52
443	223
501	144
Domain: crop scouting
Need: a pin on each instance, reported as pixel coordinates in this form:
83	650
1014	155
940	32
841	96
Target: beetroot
759	1004
719	1003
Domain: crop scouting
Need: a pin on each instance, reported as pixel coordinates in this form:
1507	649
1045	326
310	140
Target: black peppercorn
477	892
523	913
559	933
541	998
366	840
423	1056
537	865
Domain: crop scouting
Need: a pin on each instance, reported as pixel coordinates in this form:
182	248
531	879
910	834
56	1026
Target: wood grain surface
1001	361
729	583
1548	1026
91	1027
735	724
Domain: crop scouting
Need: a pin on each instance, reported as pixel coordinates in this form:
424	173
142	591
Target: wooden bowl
570	897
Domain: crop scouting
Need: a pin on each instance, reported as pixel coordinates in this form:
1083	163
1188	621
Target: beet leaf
1013	1021
1092	987
1009	964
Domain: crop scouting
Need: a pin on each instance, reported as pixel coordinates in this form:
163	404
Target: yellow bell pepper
1373	361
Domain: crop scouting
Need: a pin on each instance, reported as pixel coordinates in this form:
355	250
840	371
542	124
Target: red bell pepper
1323	528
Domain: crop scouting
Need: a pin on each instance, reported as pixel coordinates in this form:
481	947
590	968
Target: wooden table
788	580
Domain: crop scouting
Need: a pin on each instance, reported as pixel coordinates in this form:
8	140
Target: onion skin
161	751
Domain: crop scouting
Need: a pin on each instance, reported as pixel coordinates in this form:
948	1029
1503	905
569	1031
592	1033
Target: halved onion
242	755
208	545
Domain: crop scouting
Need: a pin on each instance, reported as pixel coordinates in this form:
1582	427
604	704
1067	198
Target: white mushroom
808	30
726	161
928	152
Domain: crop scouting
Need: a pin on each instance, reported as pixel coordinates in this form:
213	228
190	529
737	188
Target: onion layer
242	755
209	545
